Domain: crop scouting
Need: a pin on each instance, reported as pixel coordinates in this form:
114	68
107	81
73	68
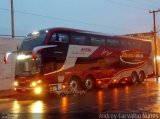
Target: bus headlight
33	84
37	90
16	83
23	57
39	81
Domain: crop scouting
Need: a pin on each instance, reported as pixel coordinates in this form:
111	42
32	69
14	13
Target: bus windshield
27	66
33	39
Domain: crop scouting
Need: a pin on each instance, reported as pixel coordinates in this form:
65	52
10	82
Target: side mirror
7	54
17	48
38	48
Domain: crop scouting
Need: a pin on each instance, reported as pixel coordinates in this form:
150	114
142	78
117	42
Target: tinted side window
97	41
63	37
123	44
53	38
79	39
60	37
113	43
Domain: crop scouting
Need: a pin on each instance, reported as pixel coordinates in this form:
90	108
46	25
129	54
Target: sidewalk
7	93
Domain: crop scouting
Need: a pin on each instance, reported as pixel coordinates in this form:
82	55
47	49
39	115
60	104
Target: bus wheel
134	78
141	77
74	84
89	83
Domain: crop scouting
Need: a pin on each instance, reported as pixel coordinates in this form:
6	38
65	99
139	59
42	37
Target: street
139	98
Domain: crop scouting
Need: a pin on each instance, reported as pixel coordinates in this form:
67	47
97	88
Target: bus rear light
64	86
126	79
114	81
99	82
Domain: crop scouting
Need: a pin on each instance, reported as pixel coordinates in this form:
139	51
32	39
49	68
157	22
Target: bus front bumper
38	90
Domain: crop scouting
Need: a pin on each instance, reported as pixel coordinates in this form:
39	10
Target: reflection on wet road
100	99
143	97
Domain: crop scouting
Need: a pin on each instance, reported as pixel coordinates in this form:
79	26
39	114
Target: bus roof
133	38
95	33
77	30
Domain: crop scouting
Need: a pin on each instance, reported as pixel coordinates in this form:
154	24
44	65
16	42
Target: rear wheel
89	83
134	78
141	77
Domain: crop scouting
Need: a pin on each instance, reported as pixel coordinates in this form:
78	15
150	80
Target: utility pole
12	19
155	40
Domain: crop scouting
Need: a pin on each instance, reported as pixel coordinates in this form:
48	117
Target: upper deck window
97	41
32	40
79	39
60	37
113	42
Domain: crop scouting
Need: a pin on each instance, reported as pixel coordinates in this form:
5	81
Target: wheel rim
134	78
89	84
141	77
73	85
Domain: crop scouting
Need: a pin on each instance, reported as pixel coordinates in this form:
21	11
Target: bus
52	60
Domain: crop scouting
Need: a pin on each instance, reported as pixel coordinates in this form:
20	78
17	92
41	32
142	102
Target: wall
7	71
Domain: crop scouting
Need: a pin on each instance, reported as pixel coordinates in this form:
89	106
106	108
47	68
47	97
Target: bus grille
26	84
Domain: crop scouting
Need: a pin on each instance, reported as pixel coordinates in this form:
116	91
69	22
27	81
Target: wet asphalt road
143	97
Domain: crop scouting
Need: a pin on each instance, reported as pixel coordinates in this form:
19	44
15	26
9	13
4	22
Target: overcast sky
107	16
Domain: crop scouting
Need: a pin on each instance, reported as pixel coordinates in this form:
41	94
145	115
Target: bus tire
134	78
89	83
74	84
141	77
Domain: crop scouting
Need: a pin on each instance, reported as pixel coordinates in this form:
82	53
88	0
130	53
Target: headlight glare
38	90
16	83
33	84
39	81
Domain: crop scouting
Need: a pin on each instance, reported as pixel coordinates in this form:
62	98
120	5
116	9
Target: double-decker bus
52	60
